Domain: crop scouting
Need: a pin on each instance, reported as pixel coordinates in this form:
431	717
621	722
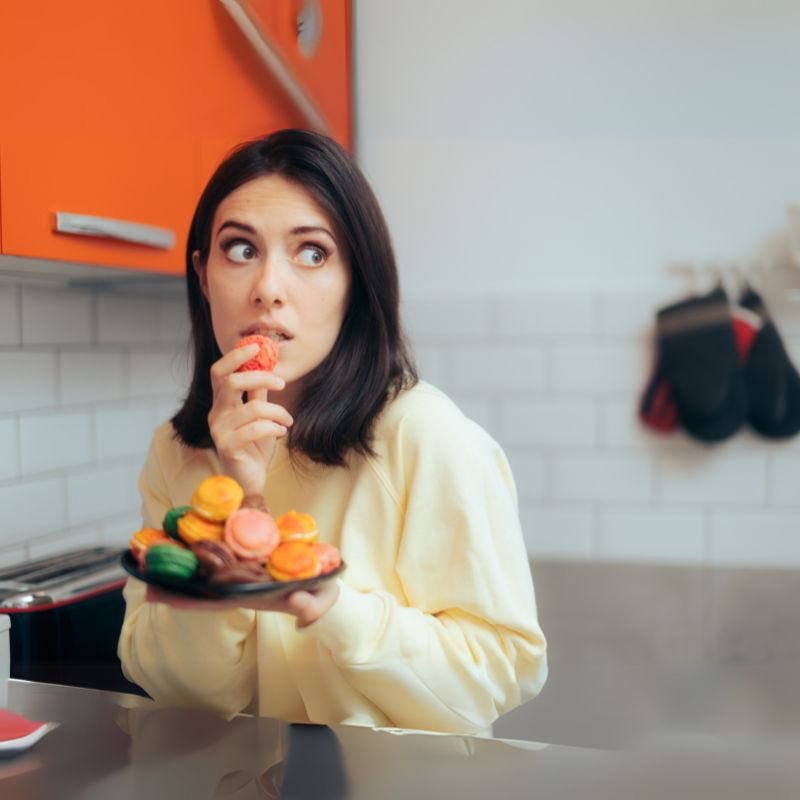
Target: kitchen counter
122	746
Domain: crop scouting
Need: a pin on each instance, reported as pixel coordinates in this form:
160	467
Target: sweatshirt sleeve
466	645
200	659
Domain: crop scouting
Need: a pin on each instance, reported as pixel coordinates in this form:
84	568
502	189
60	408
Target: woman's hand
307	606
245	433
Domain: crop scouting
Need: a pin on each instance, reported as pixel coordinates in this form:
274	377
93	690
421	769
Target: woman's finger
250	433
259	409
229	389
255	379
231	361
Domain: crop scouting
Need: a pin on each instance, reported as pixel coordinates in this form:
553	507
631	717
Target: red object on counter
13	726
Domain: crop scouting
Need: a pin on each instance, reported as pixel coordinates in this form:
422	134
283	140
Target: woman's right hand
245	434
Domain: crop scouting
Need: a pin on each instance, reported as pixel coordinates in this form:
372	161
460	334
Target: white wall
540	164
518	144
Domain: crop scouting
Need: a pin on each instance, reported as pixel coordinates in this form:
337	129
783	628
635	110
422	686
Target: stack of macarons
216	540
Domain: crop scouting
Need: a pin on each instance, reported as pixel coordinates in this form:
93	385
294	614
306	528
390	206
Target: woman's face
275	267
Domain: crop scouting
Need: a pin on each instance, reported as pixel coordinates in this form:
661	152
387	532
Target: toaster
66	614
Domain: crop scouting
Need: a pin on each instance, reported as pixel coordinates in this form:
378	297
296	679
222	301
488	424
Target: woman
433	624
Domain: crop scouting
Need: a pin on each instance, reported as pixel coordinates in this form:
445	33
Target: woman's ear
200	271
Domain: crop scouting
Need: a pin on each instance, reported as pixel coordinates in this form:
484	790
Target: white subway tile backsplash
558	533
555	377
98	493
173	320
56	317
555	423
63	541
762	539
498	369
9	452
29	509
653	536
448	317
603	477
158	374
117	532
126	319
620	425
11	556
530	474
600	368
555	316
432	365
630	315
29	381
9	314
123	431
478	409
55	441
160	412
784	481
92	376
711	477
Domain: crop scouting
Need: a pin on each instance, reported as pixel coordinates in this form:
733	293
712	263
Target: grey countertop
120	746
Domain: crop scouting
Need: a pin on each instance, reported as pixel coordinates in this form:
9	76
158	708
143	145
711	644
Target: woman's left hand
307	606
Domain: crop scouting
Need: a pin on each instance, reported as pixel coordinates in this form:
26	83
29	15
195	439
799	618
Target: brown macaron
213	556
241	573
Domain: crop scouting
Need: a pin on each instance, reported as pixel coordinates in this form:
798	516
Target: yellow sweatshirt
435	626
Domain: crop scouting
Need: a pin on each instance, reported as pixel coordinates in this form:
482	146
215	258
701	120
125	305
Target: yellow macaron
217	497
194	528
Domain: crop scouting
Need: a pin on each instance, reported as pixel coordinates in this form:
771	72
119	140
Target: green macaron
170	561
170	523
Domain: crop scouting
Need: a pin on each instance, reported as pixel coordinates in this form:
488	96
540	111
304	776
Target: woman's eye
240	252
312	256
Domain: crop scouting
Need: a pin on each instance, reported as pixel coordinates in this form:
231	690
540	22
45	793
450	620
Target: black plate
198	587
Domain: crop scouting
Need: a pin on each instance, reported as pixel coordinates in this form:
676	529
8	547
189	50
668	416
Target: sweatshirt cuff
351	627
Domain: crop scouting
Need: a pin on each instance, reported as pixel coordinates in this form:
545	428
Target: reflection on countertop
121	746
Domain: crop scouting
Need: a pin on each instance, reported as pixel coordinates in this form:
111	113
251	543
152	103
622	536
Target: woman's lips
279	337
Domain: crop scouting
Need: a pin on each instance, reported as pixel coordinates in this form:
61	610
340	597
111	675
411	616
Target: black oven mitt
698	357
773	384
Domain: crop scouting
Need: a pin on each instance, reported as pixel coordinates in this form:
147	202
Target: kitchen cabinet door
119	111
139	193
314	38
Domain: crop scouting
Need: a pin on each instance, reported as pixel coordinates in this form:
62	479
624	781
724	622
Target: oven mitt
699	360
773	384
657	408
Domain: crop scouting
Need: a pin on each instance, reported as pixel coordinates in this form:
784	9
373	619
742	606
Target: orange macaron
144	539
217	497
265	359
297	527
294	561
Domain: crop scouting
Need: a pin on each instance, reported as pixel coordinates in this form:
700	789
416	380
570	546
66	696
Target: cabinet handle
107	228
265	50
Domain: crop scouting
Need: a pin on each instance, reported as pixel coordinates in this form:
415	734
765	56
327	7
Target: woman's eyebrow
232	223
303	229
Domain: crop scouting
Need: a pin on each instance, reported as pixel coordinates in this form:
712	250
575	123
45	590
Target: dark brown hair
370	361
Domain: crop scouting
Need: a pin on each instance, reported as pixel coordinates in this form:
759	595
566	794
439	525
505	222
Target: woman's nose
269	285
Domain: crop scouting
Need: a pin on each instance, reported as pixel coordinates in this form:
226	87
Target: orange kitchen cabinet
121	110
314	38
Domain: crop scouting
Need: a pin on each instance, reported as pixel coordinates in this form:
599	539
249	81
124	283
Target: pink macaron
251	534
